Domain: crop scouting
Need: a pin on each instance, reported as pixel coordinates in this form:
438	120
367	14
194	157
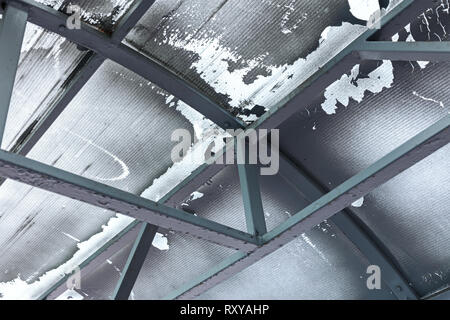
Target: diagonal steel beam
352	228
61	182
435	51
326	206
135	261
12	31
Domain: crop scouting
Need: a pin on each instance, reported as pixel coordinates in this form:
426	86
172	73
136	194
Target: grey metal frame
253	247
11	32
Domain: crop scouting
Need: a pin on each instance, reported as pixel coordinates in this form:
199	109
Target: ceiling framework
257	243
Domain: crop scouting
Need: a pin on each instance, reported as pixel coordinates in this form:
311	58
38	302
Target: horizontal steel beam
135	261
12	30
331	203
148	68
45	177
436	51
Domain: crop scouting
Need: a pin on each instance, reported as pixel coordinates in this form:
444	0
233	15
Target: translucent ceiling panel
245	53
43	236
116	131
46	61
410	214
320	264
103	14
169	265
184	259
220	200
334	146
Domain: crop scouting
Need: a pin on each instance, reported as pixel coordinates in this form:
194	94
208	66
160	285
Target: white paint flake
71	237
440	103
363	9
287	26
264	90
358	203
349	87
160	242
195	195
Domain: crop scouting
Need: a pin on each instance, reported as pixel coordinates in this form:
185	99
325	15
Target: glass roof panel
45	58
319	264
341	137
117	131
43	236
103	14
410	216
167	267
245	53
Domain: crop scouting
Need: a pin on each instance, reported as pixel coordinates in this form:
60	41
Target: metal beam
251	195
250	190
435	51
61	182
352	228
135	261
11	36
443	294
326	206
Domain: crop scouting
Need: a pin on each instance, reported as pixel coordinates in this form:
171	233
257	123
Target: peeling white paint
347	87
440	103
195	195
358	203
70	237
364	9
160	242
264	90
